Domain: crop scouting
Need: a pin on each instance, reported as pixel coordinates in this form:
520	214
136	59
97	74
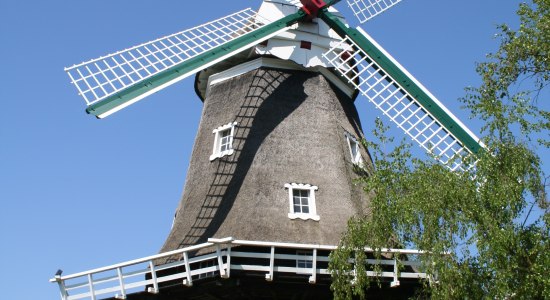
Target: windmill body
316	34
271	181
303	43
291	129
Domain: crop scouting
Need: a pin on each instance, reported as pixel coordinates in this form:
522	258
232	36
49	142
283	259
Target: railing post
121	283
269	277
228	261
354	271
395	281
91	286
62	290
223	274
228	240
313	277
187	281
155	288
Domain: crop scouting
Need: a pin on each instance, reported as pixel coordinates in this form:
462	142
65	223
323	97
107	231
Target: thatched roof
290	129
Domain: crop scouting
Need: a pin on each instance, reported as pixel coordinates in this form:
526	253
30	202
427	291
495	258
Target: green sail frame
407	83
140	90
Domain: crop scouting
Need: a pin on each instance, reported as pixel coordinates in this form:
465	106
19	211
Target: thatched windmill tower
273	132
270	186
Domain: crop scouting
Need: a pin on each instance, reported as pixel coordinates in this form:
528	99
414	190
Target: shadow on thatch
259	114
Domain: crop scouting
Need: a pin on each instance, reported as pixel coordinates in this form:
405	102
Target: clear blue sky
79	193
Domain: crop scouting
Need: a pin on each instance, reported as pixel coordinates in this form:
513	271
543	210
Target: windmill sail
112	82
365	10
399	96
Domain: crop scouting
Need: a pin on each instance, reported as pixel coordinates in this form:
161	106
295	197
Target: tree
486	228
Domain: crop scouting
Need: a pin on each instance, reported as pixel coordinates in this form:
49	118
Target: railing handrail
211	242
323	247
223	251
134	262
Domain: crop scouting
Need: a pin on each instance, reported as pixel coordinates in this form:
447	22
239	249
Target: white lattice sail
397	104
365	10
100	78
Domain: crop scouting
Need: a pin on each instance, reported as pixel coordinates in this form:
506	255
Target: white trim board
277	64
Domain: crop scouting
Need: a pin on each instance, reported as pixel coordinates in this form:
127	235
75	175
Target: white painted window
301	199
207	264
223	140
354	147
304	261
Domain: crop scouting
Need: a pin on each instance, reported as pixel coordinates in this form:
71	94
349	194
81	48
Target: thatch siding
290	129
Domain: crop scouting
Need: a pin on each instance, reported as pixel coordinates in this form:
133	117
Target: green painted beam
399	76
124	96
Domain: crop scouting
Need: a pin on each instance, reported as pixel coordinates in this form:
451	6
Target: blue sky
80	193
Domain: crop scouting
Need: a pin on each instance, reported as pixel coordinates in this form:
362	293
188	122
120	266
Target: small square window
305	45
223	140
301	198
206	264
304	261
302	201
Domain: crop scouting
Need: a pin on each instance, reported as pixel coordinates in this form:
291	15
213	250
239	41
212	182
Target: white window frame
312	214
353	142
304	261
206	264
216	151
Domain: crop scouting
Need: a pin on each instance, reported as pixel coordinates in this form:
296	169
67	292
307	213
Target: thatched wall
291	127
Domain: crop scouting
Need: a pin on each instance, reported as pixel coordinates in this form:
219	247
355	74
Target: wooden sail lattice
100	78
365	10
398	105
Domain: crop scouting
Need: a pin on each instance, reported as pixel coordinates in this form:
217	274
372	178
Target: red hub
312	7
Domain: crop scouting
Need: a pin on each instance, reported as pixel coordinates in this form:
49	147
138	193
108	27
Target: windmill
270	184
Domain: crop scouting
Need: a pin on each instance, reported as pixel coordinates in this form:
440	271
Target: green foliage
479	226
515	75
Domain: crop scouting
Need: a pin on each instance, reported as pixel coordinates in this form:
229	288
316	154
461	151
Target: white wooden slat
396	103
365	10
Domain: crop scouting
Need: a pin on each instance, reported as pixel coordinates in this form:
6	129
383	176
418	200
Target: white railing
146	274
